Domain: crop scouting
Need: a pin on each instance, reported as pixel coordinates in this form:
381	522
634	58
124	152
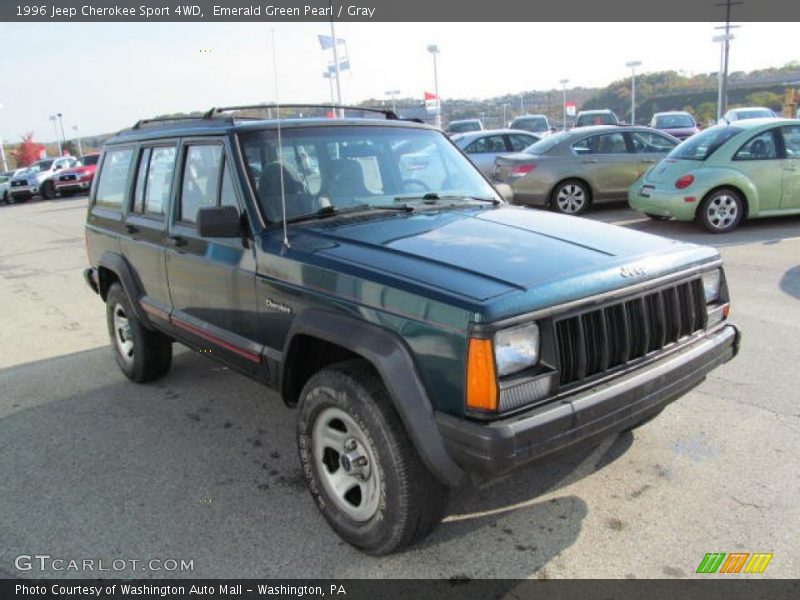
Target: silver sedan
483	147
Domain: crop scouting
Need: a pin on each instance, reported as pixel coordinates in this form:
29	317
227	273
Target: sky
105	76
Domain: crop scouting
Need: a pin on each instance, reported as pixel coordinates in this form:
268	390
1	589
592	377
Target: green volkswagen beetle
727	173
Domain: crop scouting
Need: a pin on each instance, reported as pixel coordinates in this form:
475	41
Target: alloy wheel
571	198
722	212
122	334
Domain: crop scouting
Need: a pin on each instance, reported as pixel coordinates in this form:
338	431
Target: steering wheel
408	185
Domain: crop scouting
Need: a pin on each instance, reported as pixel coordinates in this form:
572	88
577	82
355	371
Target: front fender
395	365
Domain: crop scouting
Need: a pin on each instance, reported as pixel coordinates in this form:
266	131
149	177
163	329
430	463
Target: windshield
43	165
464	127
530	124
545	144
595	119
756	113
340	167
705	143
90	160
674	121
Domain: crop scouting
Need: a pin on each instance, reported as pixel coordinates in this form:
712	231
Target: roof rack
141	122
389	114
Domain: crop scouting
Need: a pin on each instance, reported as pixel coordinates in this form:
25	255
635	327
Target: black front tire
411	502
48	190
150	355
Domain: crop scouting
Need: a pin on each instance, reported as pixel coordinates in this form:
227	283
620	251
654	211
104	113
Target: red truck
76	179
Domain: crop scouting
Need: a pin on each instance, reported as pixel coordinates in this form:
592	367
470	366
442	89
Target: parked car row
742	168
49	177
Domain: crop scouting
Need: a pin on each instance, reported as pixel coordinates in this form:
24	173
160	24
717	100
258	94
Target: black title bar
399	10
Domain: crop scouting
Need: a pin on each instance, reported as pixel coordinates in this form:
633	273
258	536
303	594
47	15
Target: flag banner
429	96
326	41
344	65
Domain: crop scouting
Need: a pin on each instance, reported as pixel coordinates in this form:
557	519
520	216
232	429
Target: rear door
606	163
145	224
790	136
211	280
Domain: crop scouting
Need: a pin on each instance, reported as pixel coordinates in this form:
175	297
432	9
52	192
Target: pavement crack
750	504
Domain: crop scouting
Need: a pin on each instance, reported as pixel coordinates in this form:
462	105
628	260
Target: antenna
280	141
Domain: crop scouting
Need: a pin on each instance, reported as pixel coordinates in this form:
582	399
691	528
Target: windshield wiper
434	196
333	211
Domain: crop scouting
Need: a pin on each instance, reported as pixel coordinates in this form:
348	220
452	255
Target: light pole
632	66
522	104
434	50
78	139
505	105
61	124
329	76
336	66
564	83
393	94
54	118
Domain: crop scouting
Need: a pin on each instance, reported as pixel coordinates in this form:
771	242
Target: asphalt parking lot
202	465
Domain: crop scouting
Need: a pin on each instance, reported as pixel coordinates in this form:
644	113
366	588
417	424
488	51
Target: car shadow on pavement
790	282
202	465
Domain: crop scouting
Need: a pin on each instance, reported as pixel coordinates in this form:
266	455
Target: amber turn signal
481	380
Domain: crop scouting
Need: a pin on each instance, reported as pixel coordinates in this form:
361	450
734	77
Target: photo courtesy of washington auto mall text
412	299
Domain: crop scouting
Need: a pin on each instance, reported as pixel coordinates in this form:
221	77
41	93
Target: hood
496	261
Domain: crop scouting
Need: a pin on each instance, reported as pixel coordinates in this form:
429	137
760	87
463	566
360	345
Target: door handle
131	228
177	241
590	161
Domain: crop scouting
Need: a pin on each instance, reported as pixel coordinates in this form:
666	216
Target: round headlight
516	348
711	285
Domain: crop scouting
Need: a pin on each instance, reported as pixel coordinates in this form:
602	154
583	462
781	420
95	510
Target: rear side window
645	142
113	180
154	180
519	142
201	179
490	143
791	141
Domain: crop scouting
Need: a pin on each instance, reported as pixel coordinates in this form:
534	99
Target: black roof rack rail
389	114
202	117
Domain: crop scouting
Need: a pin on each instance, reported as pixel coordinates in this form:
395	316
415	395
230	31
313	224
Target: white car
5	184
747	112
36	179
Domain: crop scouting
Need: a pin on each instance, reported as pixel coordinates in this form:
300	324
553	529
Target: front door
211	280
759	160
790	197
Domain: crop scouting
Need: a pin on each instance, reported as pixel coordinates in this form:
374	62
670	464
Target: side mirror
219	221
505	191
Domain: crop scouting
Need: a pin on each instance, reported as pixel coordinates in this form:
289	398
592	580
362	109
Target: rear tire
570	197
721	211
362	470
142	354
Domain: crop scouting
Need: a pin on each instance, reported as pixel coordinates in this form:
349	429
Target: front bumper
23	191
73	186
494	448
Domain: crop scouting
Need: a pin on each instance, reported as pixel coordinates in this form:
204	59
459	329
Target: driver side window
761	147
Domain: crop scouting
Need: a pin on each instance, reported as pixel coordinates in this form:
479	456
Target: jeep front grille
604	339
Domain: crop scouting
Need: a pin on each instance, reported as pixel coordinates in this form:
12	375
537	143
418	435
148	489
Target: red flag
429	96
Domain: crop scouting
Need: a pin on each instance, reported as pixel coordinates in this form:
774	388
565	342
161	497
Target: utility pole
61	124
522	104
726	49
632	66
78	139
434	49
564	83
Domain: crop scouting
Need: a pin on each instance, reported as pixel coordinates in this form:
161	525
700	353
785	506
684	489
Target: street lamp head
433	48
633	64
564	81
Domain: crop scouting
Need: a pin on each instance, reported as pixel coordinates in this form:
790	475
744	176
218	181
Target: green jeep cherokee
428	333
